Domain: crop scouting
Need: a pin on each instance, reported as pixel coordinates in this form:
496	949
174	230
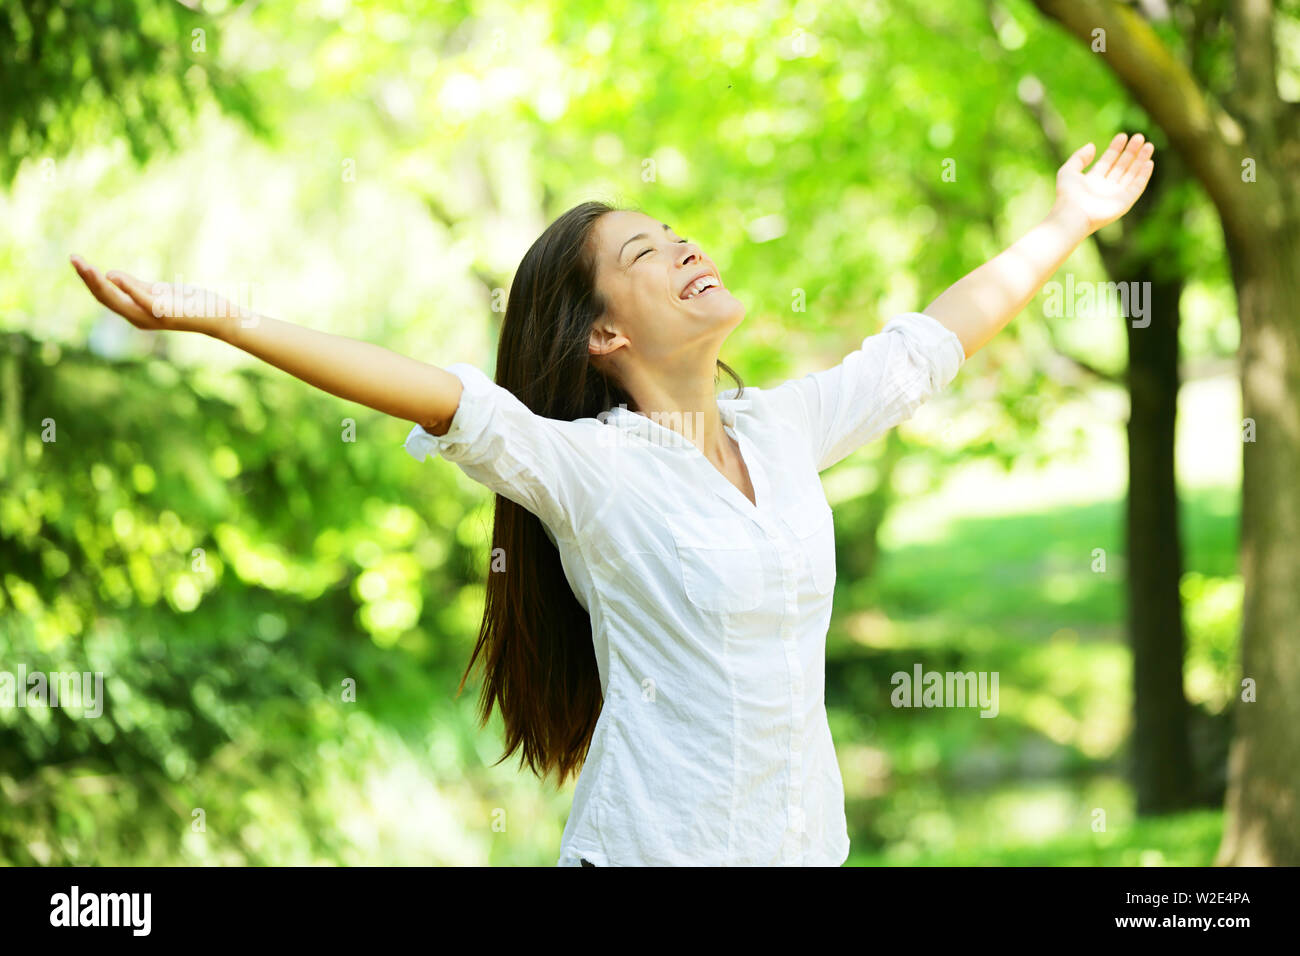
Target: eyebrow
639	235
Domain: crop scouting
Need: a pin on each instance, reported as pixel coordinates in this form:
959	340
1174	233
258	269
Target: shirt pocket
721	569
809	517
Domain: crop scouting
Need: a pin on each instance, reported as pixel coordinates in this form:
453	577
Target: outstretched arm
977	306
358	371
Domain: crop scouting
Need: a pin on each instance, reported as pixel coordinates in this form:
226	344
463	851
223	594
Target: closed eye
644	251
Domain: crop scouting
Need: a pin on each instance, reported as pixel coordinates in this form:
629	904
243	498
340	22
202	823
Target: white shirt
709	613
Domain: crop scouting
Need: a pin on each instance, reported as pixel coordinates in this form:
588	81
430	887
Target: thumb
1080	158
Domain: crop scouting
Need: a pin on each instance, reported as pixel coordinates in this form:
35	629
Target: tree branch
1210	141
1098	373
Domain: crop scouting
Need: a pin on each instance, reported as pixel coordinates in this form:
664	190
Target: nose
690	251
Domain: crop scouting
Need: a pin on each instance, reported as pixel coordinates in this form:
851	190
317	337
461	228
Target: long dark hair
535	639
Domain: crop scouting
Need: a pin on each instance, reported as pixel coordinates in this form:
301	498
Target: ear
605	341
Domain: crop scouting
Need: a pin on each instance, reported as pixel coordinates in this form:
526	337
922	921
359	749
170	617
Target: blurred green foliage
73	72
217	550
201	532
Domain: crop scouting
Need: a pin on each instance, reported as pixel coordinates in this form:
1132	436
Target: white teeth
699	285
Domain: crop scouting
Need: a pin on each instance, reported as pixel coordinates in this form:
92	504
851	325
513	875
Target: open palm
1112	186
157	306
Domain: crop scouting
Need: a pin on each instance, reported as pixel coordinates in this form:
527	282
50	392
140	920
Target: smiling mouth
709	283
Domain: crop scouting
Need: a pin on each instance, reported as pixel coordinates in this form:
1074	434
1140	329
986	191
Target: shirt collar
624	417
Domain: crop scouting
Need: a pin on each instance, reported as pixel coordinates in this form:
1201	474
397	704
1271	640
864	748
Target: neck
686	404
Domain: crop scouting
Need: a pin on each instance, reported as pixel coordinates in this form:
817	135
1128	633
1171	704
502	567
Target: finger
1143	176
1108	158
109	294
1080	158
141	293
1135	168
1127	157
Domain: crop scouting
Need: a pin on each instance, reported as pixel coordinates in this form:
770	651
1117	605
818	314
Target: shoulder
484	390
780	406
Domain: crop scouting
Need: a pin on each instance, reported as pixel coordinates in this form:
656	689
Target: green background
200	532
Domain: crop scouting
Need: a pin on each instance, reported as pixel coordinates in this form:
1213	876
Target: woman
675	650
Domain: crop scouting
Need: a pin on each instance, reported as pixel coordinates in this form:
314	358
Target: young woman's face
646	271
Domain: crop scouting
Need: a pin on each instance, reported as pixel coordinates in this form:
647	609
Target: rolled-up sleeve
874	388
543	464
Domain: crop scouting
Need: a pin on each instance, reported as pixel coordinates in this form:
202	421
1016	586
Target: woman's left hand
1111	187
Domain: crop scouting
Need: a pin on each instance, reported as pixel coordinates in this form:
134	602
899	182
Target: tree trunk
1263	803
1161	765
1161	756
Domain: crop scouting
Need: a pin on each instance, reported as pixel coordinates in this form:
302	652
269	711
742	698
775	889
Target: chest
756	539
736	472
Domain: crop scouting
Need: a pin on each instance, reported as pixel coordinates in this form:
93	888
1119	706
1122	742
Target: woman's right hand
160	306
